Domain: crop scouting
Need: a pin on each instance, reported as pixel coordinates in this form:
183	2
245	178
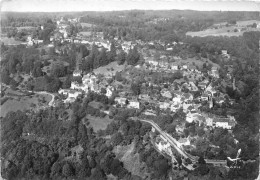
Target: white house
174	67
175	107
77	73
209	121
225	123
204	97
120	100
164	105
109	90
166	93
185	67
202	85
134	104
153	62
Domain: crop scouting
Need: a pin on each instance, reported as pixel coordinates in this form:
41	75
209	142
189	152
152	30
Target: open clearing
17	102
216	32
99	123
85	33
109	69
87	25
10	41
223	31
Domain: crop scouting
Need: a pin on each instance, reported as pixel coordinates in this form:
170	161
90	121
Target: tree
67	83
136	88
133	56
116	139
67	170
5	78
121	57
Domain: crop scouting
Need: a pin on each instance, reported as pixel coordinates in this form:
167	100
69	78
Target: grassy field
10	41
106	70
224	30
87	25
99	123
26	28
216	32
85	33
23	103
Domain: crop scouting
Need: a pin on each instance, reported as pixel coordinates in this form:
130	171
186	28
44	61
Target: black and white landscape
129	92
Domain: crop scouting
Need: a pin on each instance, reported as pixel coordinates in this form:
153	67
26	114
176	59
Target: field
99	123
106	70
85	33
87	25
10	41
216	32
26	28
223	31
17	101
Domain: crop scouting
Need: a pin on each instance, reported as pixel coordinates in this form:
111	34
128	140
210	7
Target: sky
115	5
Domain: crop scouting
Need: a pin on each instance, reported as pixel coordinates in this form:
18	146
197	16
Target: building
225	123
121	101
166	93
204	97
109	90
202	85
164	105
134	104
77	73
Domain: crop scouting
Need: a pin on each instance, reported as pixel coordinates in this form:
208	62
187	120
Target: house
134	104
225	54
184	141
219	100
187	97
202	85
144	97
166	93
109	90
185	107
77	73
75	85
193	87
153	62
72	94
164	105
120	100
175	107
224	122
174	67
209	121
185	67
211	90
204	97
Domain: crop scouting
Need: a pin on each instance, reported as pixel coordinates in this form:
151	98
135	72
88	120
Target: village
186	87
